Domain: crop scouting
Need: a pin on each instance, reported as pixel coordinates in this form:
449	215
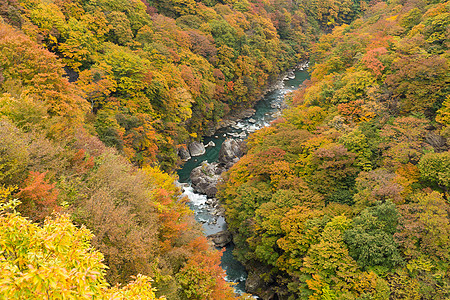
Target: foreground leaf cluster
56	261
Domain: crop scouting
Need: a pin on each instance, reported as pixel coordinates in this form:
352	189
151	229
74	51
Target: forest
345	196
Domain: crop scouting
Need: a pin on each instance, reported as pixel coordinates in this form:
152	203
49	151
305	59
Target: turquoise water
263	117
266	111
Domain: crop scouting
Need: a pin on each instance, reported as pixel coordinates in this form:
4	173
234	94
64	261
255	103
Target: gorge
207	210
344	196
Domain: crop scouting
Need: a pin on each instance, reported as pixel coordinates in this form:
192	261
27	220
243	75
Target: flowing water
266	111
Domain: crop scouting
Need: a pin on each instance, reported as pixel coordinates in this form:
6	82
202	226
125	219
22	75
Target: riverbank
242	113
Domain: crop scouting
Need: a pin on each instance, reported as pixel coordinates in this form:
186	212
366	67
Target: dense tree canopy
341	197
344	197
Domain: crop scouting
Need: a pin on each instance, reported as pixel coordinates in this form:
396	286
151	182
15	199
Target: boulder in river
230	152
197	149
221	238
275	105
246	113
205	177
210	144
183	153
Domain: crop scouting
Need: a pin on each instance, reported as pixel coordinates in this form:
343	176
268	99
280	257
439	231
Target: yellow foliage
443	114
55	261
5	193
392	18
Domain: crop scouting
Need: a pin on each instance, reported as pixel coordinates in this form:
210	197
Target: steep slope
52	165
345	196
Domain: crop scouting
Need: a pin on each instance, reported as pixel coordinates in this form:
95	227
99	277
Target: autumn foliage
344	197
341	197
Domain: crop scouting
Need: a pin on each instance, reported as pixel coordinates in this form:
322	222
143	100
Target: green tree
371	239
435	169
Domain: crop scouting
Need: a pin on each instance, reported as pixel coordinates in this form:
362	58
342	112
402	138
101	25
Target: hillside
344	197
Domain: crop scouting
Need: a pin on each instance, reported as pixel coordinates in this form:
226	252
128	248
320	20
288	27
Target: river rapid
267	109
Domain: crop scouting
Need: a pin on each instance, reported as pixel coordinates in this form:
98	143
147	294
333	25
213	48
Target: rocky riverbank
220	151
243	113
205	178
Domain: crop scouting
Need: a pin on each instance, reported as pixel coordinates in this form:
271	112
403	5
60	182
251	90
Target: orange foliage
230	85
82	162
30	69
39	197
371	61
202	277
407	175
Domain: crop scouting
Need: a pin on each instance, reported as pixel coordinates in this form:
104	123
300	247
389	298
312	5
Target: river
266	111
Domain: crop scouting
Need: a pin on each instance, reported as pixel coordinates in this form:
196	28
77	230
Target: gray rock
276	114
242	135
254	283
220	211
205	177
229	153
225	123
221	238
246	113
230	120
183	153
210	144
197	149
251	120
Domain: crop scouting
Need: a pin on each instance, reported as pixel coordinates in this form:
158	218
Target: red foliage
351	111
263	161
81	162
371	60
39	197
151	10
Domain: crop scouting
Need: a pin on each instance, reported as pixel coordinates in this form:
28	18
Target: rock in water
210	144
183	153
229	153
205	177
197	148
221	238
